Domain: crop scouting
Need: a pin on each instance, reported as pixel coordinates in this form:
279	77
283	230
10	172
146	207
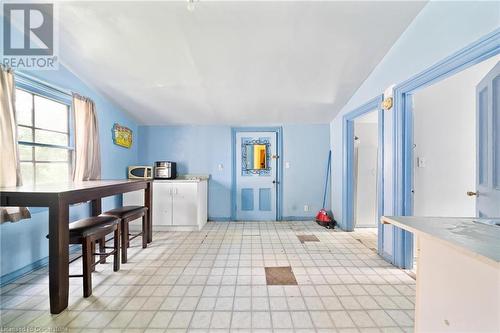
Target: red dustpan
323	217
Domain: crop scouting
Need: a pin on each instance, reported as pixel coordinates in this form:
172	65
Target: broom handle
327	176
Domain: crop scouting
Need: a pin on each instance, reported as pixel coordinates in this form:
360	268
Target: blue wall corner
23	244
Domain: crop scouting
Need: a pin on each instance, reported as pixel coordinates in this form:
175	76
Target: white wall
440	29
365	213
445	138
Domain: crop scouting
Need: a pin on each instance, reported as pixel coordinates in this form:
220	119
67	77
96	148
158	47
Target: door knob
471	194
275	182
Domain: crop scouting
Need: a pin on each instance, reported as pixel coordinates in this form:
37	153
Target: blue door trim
347	222
482	49
279	173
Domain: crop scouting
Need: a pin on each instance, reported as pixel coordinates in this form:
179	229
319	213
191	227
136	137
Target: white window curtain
87	152
10	171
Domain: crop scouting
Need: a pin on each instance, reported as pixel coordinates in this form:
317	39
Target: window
44	138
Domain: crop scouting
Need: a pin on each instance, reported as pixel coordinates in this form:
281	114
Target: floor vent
307	238
280	276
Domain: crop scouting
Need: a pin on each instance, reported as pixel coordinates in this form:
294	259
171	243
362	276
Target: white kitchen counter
178	180
464	234
458	273
184	179
179	204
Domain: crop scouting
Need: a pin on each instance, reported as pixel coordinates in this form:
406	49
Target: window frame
36	87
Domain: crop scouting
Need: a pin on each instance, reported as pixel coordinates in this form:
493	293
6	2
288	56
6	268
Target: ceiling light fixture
191	5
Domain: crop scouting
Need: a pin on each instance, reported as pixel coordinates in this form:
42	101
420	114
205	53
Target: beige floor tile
214	281
161	319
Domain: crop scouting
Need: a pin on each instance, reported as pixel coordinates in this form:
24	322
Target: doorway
446	120
257	170
363	170
476	53
445	128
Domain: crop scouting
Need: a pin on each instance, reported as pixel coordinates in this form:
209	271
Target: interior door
185	204
256	175
488	145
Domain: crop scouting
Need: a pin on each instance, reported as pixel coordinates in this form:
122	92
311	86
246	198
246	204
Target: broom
322	218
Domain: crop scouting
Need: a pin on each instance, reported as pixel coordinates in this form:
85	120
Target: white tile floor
214	281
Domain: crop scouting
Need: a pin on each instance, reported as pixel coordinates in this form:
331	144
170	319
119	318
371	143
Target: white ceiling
233	63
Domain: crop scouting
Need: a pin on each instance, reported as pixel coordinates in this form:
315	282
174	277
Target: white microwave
140	172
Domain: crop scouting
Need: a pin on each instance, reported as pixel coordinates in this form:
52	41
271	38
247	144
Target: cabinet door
185	204
162	204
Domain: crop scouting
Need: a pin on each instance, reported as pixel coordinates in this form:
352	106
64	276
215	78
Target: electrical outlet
287	165
306	208
421	162
220	167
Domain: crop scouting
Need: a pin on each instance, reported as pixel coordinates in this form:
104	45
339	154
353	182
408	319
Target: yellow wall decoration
122	136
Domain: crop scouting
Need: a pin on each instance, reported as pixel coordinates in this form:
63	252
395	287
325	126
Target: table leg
96	206
148	201
58	256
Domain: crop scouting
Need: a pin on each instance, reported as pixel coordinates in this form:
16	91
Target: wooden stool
86	232
128	214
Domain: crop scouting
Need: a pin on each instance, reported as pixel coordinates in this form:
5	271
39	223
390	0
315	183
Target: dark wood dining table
58	197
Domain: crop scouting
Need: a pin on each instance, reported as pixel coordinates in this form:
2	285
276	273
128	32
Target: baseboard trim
284	218
219	219
298	218
19	273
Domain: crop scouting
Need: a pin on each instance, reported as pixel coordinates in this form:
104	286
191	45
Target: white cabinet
185	203
162	204
178	204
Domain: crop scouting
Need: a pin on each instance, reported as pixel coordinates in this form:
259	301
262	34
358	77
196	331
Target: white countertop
463	233
184	179
178	180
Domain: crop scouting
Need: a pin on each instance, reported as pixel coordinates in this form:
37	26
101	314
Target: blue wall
439	30
200	149
197	150
23	244
306	149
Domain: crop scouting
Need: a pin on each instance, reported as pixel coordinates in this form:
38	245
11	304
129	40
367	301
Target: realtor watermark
28	329
30	35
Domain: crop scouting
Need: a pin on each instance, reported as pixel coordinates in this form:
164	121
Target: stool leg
92	249
124	239
144	231
87	266
116	248
102	249
128	235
